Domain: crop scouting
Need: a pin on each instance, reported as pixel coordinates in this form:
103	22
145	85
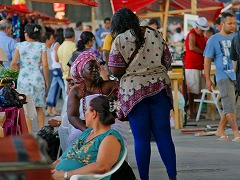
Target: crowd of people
116	75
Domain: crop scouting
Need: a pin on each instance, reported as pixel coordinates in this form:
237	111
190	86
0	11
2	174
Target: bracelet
66	176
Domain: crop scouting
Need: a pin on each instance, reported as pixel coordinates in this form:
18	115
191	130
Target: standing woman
31	53
140	59
57	81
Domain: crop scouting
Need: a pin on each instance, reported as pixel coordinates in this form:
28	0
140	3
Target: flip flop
237	139
225	138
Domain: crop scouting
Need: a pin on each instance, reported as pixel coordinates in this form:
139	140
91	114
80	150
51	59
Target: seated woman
85	72
89	154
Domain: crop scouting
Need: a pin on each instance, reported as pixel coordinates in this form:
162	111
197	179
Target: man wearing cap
218	49
195	44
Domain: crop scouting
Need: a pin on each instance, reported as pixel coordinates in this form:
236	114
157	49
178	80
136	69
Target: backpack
52	138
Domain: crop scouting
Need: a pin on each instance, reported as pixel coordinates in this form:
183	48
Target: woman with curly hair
140	58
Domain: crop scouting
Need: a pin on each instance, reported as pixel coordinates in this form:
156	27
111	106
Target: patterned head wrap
79	64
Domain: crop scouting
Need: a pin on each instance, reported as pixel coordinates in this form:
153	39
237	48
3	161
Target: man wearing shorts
218	49
195	44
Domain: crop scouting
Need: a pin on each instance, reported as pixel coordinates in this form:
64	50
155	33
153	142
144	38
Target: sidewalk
198	158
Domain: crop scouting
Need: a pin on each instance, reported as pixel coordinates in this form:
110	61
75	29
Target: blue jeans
54	90
151	116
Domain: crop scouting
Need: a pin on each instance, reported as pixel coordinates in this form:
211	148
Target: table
174	77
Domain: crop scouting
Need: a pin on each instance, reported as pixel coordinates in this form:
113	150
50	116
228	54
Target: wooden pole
29	5
194	6
161	15
165	19
93	18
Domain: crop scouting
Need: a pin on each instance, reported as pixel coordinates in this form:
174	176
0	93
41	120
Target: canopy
206	8
131	4
73	2
25	12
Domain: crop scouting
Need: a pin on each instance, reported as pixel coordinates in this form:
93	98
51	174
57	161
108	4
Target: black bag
52	139
125	172
11	97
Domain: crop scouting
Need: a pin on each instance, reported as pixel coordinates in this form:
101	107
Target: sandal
237	139
48	114
55	114
225	138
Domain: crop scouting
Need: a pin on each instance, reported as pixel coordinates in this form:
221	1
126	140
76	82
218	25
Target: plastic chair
215	97
63	132
100	176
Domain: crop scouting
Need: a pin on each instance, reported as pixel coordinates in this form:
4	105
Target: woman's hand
54	122
46	86
58	175
56	162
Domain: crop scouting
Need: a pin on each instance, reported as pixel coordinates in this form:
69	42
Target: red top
194	60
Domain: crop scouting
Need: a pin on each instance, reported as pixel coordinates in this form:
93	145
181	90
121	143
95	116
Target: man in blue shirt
103	31
6	42
218	49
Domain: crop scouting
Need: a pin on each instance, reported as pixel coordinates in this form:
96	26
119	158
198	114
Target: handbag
52	138
11	126
11	98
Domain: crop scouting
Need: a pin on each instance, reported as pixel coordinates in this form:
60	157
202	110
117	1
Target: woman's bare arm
73	105
45	68
13	64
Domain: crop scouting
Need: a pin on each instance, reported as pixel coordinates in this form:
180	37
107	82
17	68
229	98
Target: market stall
11	10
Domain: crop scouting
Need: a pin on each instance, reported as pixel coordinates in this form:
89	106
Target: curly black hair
124	19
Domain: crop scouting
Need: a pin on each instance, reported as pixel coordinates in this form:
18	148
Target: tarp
131	4
209	14
73	2
137	6
36	14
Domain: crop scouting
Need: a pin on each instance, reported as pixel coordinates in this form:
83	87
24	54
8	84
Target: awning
73	2
131	4
206	8
36	14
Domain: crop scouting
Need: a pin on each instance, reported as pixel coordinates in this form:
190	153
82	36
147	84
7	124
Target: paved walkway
198	158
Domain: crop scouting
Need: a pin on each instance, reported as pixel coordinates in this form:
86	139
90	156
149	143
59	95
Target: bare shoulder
77	91
111	139
109	86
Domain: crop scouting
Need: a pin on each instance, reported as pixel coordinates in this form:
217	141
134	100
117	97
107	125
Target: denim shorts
228	97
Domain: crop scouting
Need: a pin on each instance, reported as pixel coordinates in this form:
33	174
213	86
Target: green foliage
10	73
